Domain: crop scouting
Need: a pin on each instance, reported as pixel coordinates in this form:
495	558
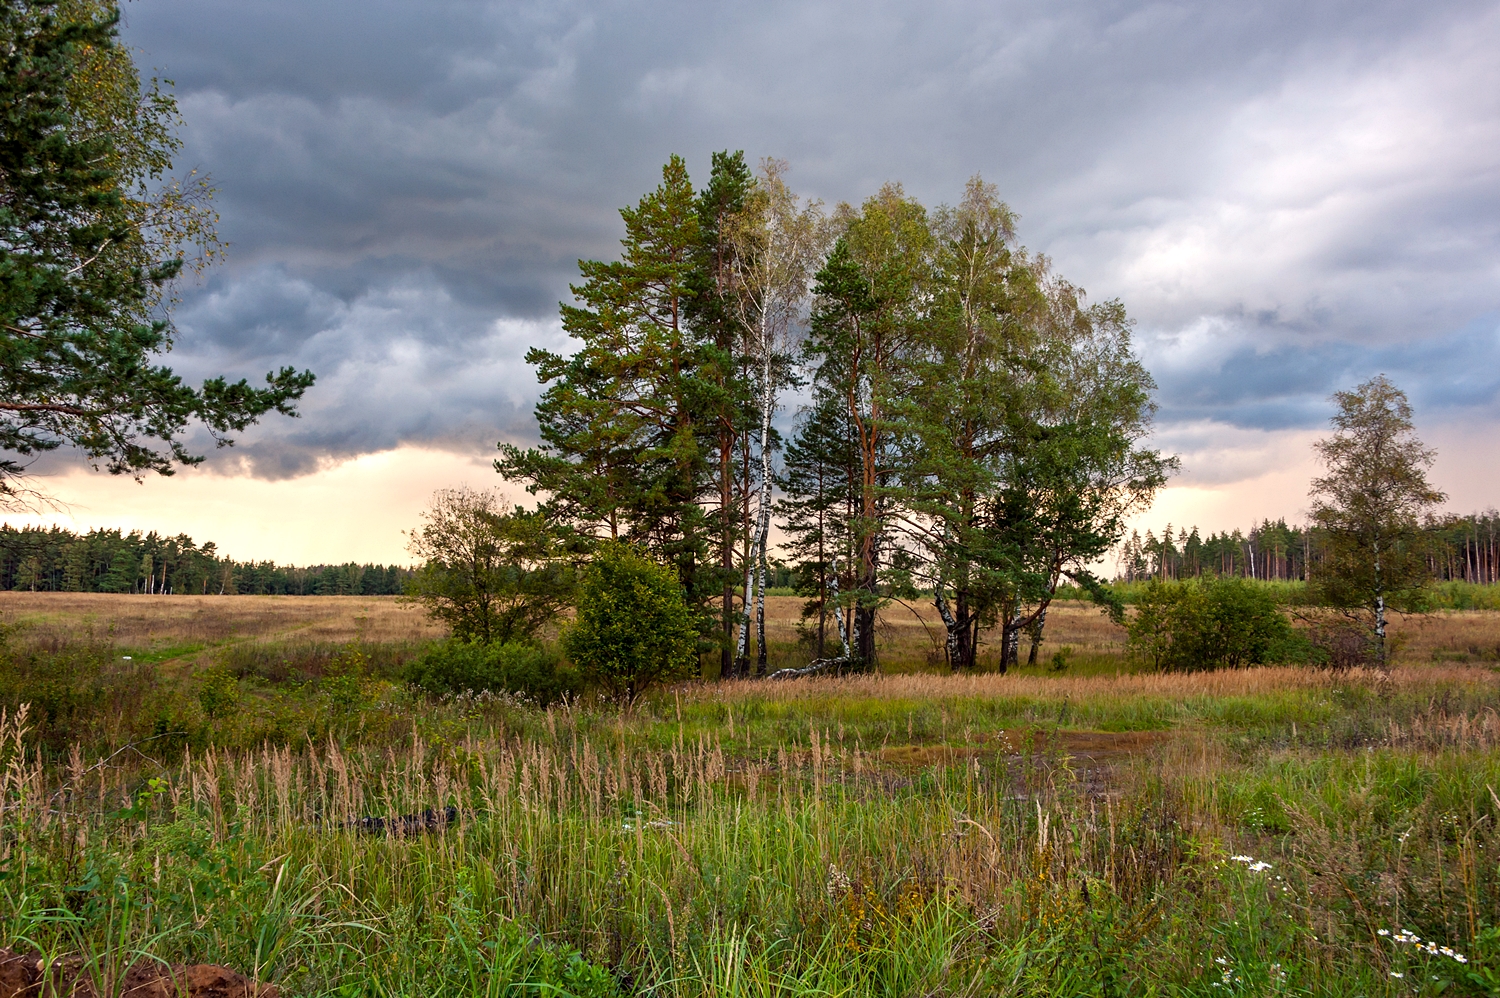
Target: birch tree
957	425
1019	458
1077	471
779	240
1369	505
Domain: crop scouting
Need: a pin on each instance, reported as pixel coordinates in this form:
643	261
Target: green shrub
491	574
1221	623
218	693
634	628
90	695
518	667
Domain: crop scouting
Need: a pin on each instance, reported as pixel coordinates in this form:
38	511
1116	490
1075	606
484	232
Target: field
1092	831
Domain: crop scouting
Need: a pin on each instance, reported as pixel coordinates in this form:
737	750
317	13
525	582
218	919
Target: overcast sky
1288	196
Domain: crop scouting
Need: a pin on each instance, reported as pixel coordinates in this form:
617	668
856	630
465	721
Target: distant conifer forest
1456	549
111	561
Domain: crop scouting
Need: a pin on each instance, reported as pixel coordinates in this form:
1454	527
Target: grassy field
1094	831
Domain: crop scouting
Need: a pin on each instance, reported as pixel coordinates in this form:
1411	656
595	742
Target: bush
1222	623
634	628
90	695
489	574
218	693
531	670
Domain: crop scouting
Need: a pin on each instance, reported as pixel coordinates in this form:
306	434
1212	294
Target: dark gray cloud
1289	196
1286	385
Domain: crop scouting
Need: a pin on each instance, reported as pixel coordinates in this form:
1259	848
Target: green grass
911	835
158	655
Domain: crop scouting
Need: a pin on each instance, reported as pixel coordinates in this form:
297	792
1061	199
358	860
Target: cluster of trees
110	561
969	425
1269	550
94	229
266	578
1455	548
987	538
1464	548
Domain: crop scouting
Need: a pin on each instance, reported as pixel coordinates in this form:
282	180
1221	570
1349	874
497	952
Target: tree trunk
760	616
1010	638
950	624
726	546
838	611
1379	610
1037	627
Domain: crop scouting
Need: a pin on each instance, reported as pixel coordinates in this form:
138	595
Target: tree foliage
620	417
92	233
972	424
1214	624
725	393
634	627
988	419
778	242
1369	506
490	574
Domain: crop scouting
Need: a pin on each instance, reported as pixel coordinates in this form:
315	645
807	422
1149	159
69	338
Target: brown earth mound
27	975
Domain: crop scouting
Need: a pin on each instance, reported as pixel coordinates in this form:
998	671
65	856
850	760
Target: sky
1289	196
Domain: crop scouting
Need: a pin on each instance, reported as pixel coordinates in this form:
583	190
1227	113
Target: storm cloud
1288	196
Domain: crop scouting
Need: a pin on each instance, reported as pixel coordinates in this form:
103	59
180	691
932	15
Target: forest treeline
1456	549
110	561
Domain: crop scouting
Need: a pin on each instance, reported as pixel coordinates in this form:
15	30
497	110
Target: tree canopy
1369	505
972	424
93	231
492	574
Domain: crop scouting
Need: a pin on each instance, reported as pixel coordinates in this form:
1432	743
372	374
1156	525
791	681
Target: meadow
192	779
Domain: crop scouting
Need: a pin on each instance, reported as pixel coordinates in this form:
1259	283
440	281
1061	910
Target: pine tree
621	419
86	255
727	405
820	498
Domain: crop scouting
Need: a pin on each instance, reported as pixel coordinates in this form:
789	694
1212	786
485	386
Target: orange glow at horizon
357	510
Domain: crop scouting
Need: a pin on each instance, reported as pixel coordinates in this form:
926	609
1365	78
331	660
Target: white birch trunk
950	623
838	611
763	509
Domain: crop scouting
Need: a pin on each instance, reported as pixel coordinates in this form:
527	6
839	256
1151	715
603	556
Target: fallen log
408	824
821	667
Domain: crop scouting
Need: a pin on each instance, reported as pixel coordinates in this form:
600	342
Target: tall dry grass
143	621
695	862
